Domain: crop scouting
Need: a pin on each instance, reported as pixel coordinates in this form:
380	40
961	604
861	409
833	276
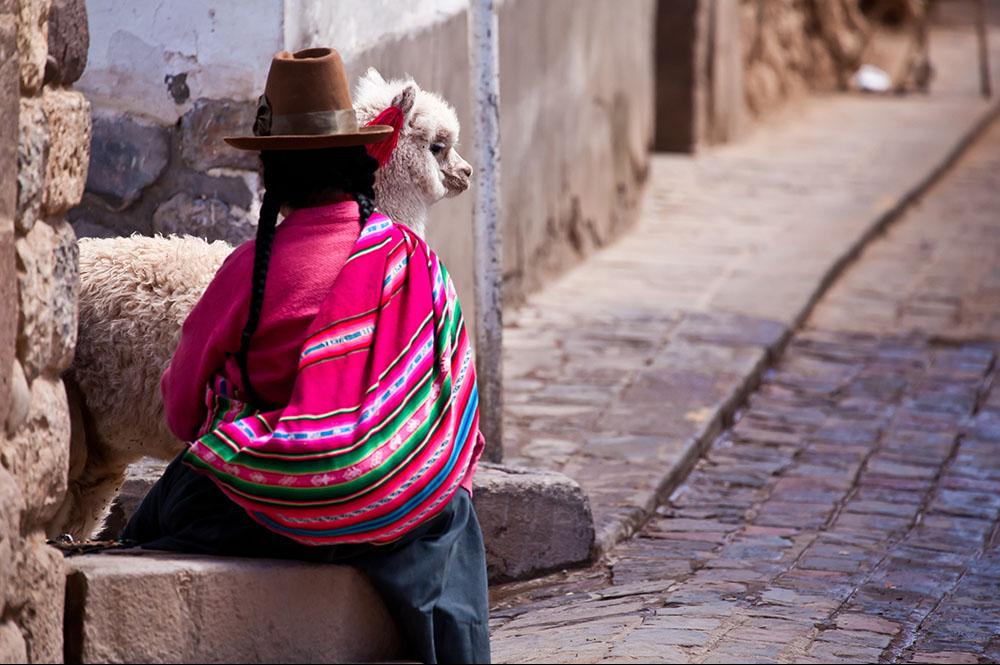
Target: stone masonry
790	47
720	64
44	166
150	178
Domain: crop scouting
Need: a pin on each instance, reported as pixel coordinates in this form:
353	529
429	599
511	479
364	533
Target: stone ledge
533	521
157	608
141	606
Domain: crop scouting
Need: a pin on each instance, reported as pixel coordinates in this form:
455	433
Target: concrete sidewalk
620	373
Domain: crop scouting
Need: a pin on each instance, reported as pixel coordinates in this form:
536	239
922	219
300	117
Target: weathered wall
353	26
155	59
727	116
576	115
576	118
49	128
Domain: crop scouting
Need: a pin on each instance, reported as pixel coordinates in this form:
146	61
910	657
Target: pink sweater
310	247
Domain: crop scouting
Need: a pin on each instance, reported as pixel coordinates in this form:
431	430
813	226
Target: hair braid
266	226
366	206
363	185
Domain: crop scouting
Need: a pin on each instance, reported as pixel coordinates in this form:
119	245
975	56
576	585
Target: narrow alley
851	511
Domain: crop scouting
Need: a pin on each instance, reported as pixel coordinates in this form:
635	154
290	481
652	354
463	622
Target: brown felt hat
307	105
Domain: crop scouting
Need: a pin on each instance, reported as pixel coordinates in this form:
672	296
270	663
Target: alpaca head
426	166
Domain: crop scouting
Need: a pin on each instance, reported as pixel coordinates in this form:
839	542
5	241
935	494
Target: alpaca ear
373	76
382	150
404	100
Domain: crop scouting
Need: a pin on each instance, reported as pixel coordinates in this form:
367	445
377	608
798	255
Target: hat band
341	121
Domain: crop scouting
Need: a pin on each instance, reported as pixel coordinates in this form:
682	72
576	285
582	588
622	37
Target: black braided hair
366	206
300	179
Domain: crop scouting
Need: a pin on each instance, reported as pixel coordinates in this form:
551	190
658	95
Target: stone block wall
792	46
795	46
44	154
149	178
722	63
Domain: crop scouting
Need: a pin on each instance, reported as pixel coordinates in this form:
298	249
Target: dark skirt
433	580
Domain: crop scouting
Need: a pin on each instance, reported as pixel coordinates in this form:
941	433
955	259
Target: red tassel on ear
382	151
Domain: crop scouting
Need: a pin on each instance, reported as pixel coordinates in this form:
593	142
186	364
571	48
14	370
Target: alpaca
135	293
425	166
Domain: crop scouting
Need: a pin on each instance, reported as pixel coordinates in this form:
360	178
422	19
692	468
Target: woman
326	384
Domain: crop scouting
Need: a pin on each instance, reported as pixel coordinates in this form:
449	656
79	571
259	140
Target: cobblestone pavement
647	347
852	511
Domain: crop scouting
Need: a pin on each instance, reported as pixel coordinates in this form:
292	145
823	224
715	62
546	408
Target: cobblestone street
621	371
850	513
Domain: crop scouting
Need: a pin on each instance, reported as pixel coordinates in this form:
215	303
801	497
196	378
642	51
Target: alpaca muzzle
457	180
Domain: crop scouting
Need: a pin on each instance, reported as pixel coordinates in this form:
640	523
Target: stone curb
721	417
722	414
533	521
143	606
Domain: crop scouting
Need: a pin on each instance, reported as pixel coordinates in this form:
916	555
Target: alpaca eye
437	148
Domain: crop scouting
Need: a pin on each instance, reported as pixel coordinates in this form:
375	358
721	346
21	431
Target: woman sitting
326	384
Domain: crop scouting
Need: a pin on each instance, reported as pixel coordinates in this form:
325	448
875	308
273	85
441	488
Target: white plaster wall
224	46
354	25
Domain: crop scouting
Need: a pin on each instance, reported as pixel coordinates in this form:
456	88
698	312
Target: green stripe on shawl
378	435
391	464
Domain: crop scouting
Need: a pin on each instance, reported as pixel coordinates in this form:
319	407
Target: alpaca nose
466	170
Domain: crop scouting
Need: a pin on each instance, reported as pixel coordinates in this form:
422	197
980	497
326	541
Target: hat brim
364	136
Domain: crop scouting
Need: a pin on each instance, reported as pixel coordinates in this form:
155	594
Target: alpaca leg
88	501
94	474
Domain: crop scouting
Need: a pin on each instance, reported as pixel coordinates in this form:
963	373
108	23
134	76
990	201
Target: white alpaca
135	293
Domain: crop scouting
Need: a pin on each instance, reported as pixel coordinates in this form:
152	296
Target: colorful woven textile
383	421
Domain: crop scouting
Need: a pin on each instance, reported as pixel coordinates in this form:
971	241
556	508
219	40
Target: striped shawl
382	424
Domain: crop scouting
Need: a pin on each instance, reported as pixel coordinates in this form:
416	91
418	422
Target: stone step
144	607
